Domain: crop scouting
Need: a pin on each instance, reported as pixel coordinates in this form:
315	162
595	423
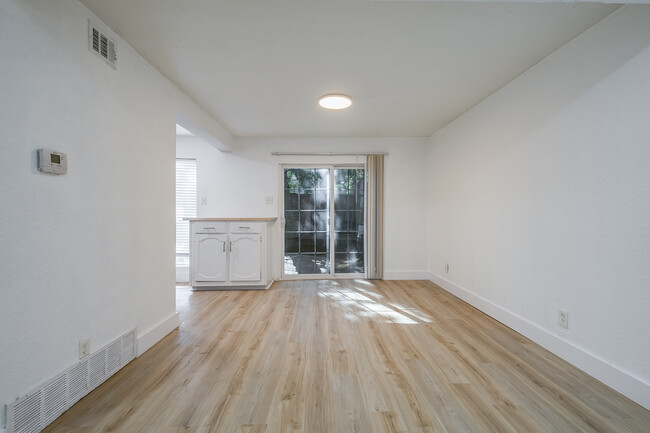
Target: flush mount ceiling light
335	101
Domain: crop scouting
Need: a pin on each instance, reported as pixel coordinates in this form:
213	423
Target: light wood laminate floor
347	356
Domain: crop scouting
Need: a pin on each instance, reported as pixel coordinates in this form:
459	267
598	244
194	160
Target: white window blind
185	206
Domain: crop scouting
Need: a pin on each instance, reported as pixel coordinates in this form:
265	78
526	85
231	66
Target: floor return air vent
33	412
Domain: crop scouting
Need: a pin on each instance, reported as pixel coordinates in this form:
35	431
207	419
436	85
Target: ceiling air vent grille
101	44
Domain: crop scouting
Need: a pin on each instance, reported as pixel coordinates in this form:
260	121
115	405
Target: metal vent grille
54	399
95	37
77	382
128	347
36	410
97	373
27	414
102	45
113	357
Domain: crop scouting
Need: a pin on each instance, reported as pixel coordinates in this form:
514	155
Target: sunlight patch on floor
364	282
412	312
369	293
363	306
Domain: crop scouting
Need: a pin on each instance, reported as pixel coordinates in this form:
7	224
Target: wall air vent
34	411
54	399
102	44
27	414
77	382
113	357
97	372
128	347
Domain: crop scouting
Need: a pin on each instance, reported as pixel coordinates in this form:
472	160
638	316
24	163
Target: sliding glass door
324	221
307	221
349	217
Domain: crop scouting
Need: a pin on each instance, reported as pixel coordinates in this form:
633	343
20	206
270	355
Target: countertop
232	219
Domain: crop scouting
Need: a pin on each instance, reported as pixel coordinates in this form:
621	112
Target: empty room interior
324	216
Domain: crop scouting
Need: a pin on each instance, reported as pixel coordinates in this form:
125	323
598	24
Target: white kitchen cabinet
208	251
228	254
211	257
245	257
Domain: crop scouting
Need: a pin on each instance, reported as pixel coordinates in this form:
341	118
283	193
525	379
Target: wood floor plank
347	356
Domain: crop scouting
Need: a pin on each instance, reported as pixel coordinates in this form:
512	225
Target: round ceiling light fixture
335	101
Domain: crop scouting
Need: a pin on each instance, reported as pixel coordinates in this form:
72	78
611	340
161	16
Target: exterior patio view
312	199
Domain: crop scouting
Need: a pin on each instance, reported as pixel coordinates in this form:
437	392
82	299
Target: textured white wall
237	183
540	199
90	253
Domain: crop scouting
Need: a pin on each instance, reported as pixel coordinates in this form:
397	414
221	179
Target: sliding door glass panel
348	220
307	221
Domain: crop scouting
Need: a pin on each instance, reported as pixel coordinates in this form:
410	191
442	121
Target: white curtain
375	215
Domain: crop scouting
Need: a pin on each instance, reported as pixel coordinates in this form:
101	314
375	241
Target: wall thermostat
49	161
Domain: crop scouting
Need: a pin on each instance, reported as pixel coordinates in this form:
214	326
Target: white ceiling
259	66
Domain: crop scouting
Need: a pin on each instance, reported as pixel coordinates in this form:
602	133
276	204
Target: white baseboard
147	339
406	275
623	382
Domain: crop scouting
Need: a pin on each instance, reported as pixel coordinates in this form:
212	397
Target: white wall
539	200
90	253
236	184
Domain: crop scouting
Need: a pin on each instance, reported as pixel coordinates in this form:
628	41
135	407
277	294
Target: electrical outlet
563	319
84	348
269	199
204	200
446	268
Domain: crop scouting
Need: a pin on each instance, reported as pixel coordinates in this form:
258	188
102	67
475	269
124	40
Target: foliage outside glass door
312	199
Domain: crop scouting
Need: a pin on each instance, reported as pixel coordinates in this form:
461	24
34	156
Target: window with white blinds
185	207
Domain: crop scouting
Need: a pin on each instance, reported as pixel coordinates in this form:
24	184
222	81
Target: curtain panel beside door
375	216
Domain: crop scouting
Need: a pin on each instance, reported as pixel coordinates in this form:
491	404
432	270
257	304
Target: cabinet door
245	257
209	258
